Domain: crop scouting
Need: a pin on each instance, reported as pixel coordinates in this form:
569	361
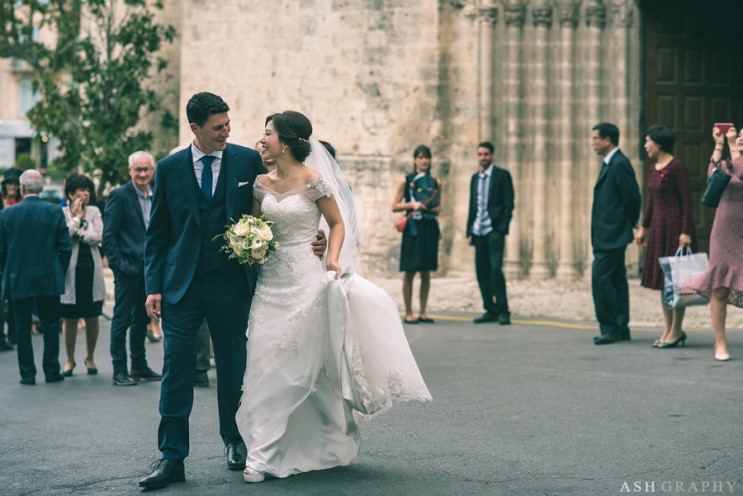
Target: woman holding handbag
667	224
723	281
419	195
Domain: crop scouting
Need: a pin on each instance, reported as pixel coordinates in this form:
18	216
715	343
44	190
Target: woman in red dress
666	225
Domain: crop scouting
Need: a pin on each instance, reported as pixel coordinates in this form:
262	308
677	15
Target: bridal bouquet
249	240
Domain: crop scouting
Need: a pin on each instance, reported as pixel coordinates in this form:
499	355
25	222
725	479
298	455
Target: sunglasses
140	170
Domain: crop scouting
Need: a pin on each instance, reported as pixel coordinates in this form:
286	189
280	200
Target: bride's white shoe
253	475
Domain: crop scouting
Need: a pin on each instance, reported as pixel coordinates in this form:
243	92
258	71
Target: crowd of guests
53	268
666	225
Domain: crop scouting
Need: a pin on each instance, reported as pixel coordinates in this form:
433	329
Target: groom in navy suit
197	192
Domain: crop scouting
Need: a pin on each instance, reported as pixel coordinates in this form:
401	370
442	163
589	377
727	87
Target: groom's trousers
224	300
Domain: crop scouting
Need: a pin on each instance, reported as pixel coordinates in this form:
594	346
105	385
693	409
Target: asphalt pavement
528	409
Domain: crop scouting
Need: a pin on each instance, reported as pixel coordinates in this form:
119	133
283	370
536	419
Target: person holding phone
85	289
667	224
722	283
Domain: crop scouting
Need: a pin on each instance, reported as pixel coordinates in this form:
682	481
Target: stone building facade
379	77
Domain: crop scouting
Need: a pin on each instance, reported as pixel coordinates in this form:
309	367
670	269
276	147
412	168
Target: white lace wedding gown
313	357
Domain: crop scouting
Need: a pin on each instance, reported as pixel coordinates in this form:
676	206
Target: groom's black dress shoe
486	317
606	339
236	455
164	472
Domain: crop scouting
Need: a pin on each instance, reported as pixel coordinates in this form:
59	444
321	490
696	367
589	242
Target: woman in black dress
419	194
84	285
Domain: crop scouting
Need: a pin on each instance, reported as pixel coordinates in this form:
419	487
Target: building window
28	96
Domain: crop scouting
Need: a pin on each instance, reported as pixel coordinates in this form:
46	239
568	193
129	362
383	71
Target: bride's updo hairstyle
294	130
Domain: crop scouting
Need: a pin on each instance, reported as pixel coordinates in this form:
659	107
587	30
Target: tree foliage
92	77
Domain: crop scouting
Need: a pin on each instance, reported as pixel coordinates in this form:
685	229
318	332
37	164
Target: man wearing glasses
126	220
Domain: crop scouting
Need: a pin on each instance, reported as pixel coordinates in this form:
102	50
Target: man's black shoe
606	339
164	472
486	317
123	379
28	381
145	374
504	319
54	377
5	345
236	455
201	380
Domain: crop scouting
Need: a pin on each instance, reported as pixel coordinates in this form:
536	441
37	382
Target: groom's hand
153	305
320	244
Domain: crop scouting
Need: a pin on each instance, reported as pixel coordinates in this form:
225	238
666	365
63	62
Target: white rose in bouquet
258	254
242	229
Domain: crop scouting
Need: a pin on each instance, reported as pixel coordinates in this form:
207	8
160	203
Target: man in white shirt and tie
490	211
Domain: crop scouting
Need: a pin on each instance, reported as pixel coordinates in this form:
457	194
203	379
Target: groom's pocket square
240	185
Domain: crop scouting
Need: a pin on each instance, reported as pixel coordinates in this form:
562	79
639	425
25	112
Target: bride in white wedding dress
325	345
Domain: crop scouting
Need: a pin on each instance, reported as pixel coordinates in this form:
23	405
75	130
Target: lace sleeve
259	191
319	188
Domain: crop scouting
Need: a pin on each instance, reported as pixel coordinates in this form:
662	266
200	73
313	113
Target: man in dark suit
127	216
197	192
616	210
35	250
491	207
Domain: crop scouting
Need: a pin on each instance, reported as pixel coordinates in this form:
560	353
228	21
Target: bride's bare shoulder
267	179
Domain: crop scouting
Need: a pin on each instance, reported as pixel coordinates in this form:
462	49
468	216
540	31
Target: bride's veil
321	161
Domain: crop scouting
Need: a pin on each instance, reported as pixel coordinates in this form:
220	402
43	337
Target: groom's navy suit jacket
172	243
184	264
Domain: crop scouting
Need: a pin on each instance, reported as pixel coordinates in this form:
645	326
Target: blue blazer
172	242
124	231
35	249
616	204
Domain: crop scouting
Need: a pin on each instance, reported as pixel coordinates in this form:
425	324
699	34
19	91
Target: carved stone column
487	16
620	22
591	110
514	15
567	268
542	19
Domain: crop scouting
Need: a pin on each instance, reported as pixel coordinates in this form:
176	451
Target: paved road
530	409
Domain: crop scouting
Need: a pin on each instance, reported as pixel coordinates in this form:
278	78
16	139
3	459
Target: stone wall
379	77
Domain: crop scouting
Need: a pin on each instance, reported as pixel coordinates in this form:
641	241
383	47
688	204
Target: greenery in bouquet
249	240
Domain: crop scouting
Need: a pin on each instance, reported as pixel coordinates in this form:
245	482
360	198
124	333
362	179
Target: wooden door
693	75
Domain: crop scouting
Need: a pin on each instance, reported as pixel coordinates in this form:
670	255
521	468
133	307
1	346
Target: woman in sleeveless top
419	194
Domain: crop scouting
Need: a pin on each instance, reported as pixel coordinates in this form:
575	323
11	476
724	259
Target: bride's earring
283	150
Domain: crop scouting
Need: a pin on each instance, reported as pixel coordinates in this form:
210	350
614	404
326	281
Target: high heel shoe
91	370
657	343
681	340
68	373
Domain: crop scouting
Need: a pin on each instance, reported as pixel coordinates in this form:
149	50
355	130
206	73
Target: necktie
206	176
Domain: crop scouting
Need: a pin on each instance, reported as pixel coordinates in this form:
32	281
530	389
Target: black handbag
716	183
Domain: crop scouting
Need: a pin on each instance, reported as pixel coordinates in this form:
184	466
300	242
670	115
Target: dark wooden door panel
693	76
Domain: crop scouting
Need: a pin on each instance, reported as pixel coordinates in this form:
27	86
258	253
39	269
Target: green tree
92	80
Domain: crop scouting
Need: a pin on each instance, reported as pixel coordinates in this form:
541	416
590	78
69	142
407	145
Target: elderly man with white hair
35	250
127	217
